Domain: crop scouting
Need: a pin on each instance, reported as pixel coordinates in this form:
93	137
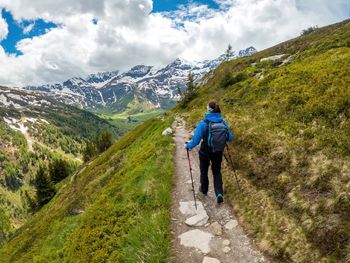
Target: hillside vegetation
37	130
289	107
115	209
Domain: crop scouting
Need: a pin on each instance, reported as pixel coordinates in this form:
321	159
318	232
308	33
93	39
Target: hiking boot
220	199
200	190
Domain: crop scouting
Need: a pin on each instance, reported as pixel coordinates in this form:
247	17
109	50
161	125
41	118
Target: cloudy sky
45	41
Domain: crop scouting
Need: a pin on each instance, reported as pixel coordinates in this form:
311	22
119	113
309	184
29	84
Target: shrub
229	79
5	226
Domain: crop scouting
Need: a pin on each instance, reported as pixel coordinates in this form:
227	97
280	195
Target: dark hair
215	106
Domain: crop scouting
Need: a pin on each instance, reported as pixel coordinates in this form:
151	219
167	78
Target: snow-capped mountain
21	99
142	85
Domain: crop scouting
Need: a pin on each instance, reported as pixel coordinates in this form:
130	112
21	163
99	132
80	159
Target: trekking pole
189	163
233	168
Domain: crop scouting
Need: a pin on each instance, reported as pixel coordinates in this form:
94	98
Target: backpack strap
207	132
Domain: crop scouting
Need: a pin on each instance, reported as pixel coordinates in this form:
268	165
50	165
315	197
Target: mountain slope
138	89
116	208
289	107
34	129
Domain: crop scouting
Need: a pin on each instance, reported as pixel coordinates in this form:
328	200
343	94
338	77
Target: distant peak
247	52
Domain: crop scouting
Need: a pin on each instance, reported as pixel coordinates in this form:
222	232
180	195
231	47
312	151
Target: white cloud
3	27
128	34
27	29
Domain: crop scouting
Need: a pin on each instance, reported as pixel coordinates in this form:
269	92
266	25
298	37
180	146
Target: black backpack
217	135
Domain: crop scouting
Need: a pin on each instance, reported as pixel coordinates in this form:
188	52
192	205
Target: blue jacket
201	129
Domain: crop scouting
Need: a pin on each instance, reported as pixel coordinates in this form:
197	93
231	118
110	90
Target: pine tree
90	151
229	53
190	92
59	169
179	92
104	141
45	190
190	82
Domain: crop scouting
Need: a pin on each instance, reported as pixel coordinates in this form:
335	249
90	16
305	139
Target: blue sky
16	31
170	5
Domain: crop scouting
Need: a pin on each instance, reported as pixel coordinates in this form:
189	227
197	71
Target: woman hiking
214	132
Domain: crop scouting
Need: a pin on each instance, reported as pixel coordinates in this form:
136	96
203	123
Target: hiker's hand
186	145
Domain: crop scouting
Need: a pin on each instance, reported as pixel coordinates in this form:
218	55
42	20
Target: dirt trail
216	235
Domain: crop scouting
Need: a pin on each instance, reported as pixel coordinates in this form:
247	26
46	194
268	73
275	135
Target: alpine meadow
106	168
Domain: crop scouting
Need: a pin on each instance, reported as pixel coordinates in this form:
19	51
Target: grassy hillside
290	114
36	130
126	122
115	209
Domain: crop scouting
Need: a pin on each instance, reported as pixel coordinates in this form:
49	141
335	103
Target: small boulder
216	229
231	224
167	131
210	260
188	208
226	250
226	242
196	239
198	220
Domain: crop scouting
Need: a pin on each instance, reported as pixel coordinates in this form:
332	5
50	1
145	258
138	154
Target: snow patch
32	120
3	100
44	121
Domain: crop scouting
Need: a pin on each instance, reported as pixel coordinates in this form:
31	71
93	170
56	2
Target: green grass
63	136
291	151
126	122
124	198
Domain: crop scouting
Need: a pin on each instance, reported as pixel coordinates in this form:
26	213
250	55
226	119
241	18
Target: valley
35	129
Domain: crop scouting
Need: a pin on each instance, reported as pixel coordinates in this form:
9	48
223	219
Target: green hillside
33	133
290	114
115	209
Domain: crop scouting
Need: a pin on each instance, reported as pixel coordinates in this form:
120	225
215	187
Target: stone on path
198	220
216	229
210	260
226	250
188	208
226	242
167	131
231	224
197	239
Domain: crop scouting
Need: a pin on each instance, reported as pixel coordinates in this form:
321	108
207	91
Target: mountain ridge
151	87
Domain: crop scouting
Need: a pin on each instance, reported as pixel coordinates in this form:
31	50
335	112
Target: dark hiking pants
204	159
